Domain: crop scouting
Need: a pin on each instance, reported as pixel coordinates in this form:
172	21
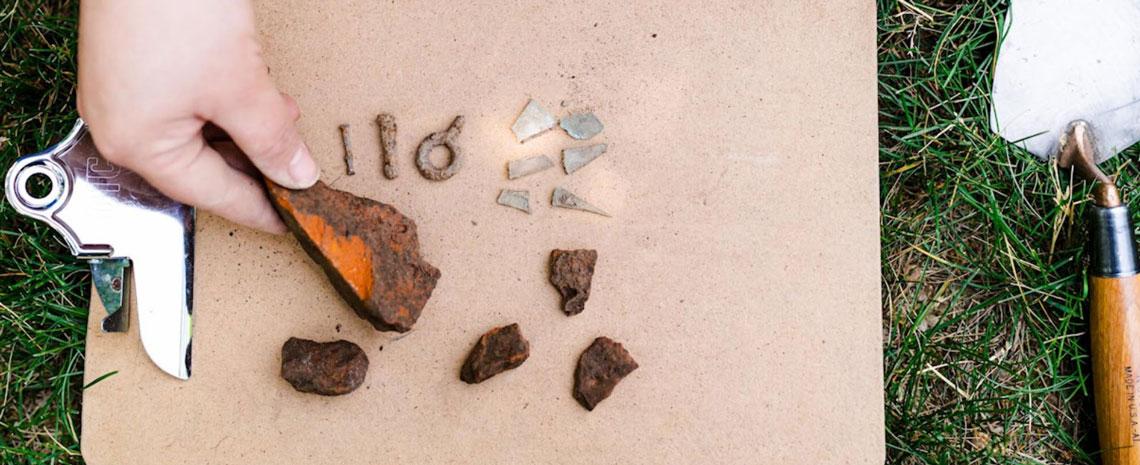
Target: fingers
261	123
196	174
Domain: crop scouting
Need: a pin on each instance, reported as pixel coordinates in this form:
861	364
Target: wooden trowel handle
1115	317
1114	314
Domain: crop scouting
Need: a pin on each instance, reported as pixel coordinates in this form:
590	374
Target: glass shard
519	200
573	159
533	121
562	198
582	126
528	166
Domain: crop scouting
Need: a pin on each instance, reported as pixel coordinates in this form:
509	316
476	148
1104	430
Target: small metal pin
348	157
387	125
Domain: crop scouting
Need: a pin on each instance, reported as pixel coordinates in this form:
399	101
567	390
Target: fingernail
303	169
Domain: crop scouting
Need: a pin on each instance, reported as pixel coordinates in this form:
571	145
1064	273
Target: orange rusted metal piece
369	251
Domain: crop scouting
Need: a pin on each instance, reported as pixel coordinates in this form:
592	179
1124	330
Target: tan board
740	268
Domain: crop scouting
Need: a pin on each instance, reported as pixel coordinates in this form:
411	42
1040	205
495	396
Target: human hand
152	73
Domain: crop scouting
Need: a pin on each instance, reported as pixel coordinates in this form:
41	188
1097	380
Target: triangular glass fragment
562	198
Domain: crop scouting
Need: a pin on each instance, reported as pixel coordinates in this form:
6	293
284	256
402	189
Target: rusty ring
446	139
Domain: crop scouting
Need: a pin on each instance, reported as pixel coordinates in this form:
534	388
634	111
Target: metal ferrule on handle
1114	249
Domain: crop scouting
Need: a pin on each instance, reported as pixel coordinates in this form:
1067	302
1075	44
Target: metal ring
446	139
39	203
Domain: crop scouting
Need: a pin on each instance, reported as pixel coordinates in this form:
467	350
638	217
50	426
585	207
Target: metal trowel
1067	87
119	223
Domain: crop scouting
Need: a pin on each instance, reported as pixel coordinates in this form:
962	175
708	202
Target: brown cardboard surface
740	267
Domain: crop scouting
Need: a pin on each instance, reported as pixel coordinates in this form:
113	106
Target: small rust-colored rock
600	368
498	350
328	368
368	250
571	272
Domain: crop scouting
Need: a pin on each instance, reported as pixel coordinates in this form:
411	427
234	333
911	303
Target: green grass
983	252
42	288
983	257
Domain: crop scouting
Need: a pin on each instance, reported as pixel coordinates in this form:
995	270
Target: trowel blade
1062	61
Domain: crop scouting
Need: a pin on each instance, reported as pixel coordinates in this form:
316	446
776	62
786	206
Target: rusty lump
600	368
329	368
571	272
369	251
500	349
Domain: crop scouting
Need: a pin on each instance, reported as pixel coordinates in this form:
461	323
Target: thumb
261	123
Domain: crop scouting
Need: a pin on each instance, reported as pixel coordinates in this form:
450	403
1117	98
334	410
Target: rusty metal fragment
582	126
447	139
562	198
387	125
571	272
329	368
600	368
573	159
528	166
533	120
498	350
519	200
369	251
349	159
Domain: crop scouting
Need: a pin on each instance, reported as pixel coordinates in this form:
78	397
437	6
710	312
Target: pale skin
153	73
